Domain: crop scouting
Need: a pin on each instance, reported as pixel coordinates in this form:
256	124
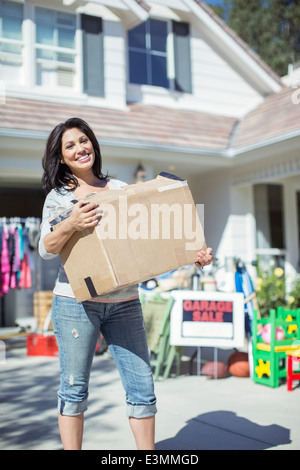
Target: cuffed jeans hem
71	408
141	411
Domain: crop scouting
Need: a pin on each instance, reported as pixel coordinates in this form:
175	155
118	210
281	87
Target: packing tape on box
89	285
91	288
176	185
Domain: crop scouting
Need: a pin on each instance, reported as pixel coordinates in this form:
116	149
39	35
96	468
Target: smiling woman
72	168
68	141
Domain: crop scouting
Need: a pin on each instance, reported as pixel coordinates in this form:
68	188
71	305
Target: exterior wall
21	160
218	87
228	216
114	60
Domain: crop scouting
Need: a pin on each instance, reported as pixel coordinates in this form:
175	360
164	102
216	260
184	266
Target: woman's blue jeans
77	326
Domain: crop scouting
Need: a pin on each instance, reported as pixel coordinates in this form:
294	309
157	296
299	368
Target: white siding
228	216
219	89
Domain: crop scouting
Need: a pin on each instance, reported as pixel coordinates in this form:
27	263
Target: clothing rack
21	220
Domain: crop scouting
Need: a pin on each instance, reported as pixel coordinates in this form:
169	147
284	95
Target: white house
165	84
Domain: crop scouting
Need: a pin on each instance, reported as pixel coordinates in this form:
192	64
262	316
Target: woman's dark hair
56	174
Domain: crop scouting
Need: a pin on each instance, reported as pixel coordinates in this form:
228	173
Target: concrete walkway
195	413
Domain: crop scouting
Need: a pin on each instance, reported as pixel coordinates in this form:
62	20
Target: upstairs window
50	51
11	41
152	57
148	54
55	48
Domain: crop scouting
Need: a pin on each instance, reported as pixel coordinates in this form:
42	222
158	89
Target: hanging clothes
18	242
5	263
25	281
12	254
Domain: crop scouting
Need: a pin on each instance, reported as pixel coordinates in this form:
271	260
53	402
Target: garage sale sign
202	318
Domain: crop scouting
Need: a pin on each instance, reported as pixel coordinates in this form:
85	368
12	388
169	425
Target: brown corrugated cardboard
147	229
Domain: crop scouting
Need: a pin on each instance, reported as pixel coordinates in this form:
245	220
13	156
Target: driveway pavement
195	413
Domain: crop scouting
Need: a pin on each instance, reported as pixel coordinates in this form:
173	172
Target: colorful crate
269	360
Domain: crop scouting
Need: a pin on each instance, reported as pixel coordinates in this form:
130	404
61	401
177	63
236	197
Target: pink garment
17	257
25	278
13	279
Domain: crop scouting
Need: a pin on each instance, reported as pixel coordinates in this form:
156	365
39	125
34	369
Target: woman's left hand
204	258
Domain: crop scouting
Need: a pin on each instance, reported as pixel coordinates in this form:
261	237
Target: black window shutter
93	55
183	80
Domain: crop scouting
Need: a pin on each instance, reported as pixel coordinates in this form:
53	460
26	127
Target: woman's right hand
84	215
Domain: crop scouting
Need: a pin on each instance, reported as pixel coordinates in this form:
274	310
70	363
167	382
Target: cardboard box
147	229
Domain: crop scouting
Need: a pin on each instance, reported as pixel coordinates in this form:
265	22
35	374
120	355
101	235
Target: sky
214	2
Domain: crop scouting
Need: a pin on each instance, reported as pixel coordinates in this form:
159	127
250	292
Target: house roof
277	117
150	125
143	4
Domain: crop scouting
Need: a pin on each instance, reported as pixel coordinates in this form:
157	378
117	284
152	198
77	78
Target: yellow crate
42	301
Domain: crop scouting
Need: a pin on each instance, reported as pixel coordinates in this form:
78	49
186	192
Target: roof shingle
153	125
277	115
138	123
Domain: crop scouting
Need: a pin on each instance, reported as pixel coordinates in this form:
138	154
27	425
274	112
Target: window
148	53
270	233
45	51
55	48
150	56
11	41
269	216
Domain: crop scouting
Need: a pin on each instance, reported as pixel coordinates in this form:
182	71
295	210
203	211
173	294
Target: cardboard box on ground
147	229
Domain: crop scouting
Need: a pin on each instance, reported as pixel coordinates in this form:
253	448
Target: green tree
222	8
270	27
